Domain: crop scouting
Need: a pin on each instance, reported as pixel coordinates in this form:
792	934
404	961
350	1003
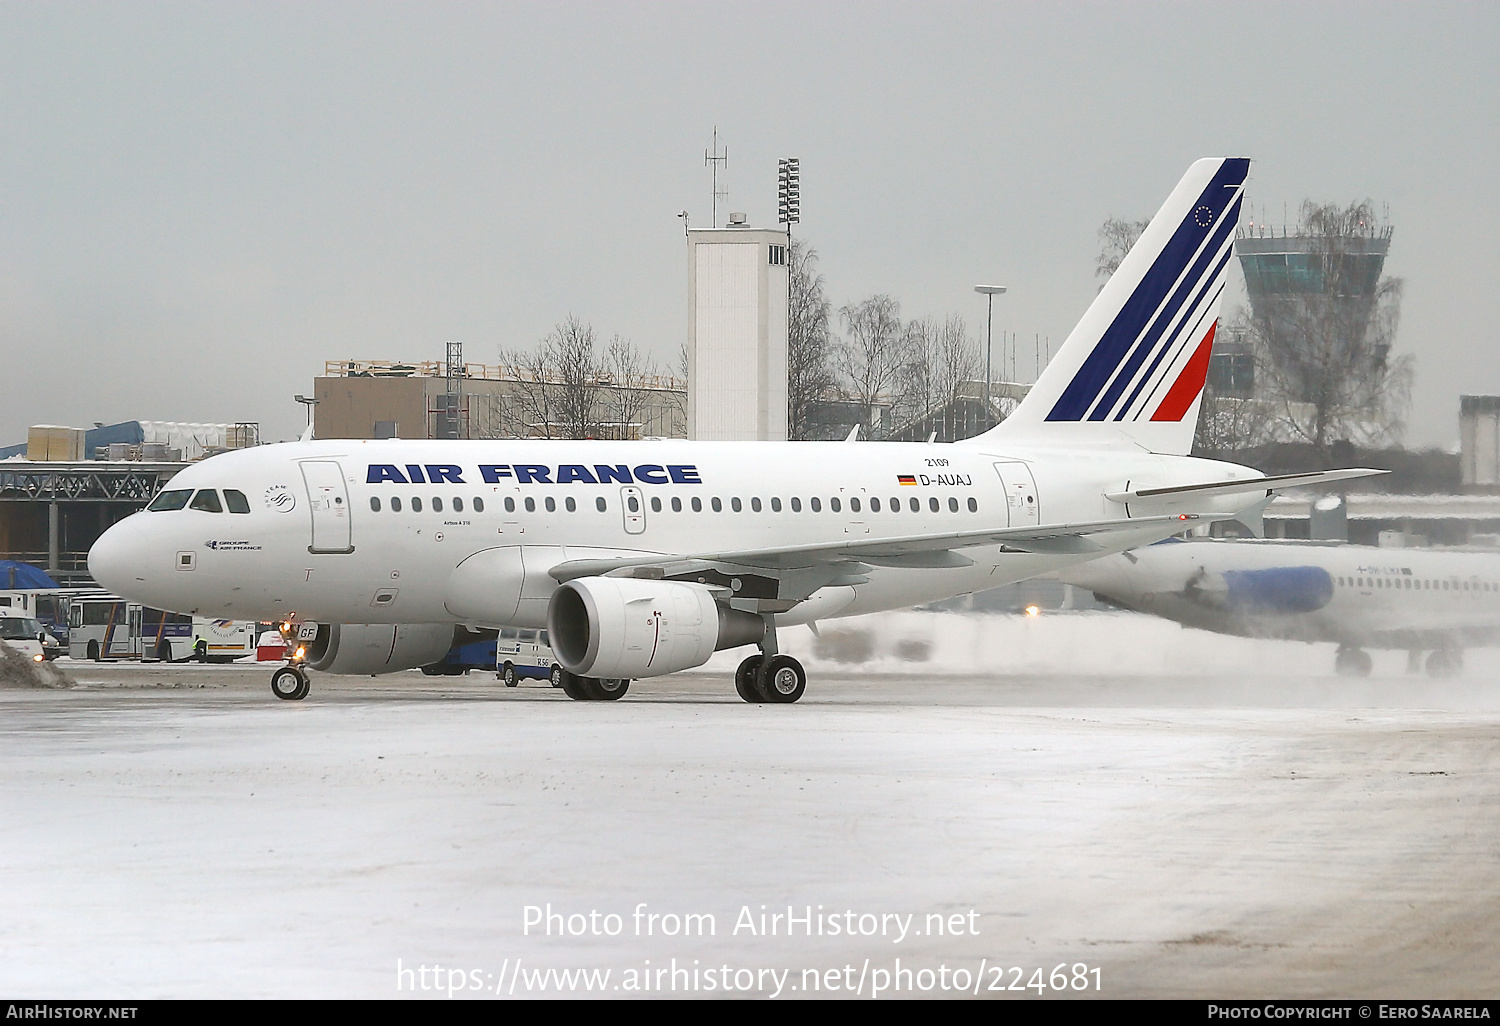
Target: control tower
1311	286
737	349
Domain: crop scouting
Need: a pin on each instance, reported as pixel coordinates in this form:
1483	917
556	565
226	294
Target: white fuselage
1350	594
323	539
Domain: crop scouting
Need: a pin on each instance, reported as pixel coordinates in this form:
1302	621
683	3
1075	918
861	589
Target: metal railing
483	372
89	482
1302	231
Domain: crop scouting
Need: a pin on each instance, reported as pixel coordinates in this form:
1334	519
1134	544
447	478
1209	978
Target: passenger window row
815	504
1417	584
716	504
457	505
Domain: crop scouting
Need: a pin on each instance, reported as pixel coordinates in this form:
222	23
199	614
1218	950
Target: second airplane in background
1422	600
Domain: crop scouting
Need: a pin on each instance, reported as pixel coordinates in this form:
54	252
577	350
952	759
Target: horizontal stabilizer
1250	486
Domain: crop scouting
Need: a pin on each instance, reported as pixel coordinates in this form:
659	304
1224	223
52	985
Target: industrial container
51	442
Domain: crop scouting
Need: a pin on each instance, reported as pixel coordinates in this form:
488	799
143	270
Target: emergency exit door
328	498
633	506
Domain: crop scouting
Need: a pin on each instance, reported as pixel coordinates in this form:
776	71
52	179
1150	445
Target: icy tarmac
1187	815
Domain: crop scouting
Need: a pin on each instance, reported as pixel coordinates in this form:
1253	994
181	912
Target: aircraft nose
114	558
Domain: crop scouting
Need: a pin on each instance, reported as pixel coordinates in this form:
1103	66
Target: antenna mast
715	161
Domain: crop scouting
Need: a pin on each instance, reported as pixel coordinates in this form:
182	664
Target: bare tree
919	389
530	413
632	373
1323	341
809	341
941	356
557	383
872	358
677	401
1115	239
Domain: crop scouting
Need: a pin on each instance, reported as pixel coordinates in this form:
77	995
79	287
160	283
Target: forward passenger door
328	500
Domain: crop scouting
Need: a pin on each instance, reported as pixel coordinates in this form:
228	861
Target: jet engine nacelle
367	648
625	627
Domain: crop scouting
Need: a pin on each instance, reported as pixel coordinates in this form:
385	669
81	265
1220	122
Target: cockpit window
236	501
207	500
174	499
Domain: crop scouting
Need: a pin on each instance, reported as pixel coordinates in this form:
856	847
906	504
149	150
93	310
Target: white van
23	634
522	652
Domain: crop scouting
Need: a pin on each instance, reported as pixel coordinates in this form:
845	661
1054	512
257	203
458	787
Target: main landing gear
1352	662
770	676
1442	662
290	683
1445	662
590	689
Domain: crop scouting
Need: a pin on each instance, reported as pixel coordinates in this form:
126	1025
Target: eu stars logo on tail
1132	371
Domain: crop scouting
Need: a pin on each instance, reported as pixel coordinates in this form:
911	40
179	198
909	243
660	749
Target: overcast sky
201	203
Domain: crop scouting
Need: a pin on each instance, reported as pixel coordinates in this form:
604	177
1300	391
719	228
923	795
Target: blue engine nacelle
1282	589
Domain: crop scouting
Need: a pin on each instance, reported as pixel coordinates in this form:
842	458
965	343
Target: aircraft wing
1251	485
924	551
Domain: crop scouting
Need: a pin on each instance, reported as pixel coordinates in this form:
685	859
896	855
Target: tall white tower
738	333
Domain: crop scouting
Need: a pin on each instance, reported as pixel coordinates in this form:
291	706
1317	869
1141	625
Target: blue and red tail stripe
1159	319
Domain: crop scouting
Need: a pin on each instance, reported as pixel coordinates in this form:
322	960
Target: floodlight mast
788	191
789	212
989	292
789	199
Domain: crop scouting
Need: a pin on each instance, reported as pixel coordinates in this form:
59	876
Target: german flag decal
906	479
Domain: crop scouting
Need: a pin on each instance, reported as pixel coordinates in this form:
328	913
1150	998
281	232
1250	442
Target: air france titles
535	473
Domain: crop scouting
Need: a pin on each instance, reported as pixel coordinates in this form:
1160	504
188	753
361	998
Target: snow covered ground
1189	815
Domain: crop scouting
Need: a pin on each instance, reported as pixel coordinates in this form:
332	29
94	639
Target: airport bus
104	626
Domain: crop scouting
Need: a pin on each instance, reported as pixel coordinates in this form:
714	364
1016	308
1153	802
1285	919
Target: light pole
989	292
309	402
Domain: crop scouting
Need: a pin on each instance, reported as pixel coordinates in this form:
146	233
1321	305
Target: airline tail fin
1132	371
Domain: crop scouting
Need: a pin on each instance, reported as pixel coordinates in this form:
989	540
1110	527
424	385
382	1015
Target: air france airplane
644	558
1356	596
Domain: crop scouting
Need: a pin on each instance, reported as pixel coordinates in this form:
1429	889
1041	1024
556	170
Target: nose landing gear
290	683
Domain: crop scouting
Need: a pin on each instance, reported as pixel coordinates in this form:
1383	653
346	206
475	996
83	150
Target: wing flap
931	551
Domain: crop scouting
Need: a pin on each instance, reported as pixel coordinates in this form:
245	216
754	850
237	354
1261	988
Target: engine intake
367	648
625	627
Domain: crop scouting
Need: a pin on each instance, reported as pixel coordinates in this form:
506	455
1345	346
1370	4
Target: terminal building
455	399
